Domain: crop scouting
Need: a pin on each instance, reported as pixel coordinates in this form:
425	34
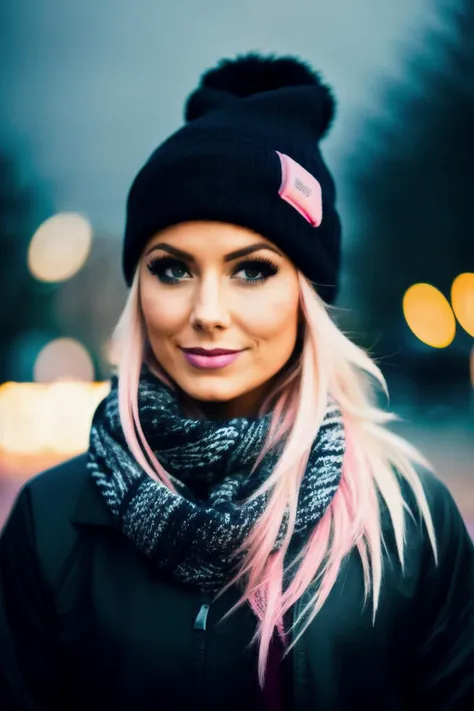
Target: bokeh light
24	421
38	418
471	366
429	315
63	359
76	404
60	247
462	299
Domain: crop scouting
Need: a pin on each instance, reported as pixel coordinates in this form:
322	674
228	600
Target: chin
211	391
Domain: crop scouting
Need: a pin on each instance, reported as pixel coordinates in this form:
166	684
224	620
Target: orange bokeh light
462	299
429	315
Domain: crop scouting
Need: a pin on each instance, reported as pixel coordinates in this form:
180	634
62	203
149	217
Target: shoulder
51	514
446	516
67	496
428	487
438	494
454	562
49	498
59	486
53	490
40	525
432	553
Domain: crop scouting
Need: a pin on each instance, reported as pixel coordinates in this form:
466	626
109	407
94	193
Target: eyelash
159	265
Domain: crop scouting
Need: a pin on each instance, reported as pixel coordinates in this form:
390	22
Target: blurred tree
25	303
412	183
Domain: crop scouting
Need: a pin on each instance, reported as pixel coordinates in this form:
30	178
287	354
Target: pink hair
329	364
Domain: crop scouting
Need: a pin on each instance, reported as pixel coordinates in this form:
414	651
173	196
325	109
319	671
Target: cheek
162	316
273	317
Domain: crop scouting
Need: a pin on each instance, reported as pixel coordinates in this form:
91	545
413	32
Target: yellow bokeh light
429	315
76	402
24	422
471	366
60	247
462	299
48	418
63	359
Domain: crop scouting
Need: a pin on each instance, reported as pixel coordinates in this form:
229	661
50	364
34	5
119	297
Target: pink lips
213	360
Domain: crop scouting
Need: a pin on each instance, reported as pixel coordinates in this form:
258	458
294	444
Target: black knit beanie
248	155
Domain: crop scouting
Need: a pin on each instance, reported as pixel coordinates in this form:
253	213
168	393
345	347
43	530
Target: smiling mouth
208	359
210	352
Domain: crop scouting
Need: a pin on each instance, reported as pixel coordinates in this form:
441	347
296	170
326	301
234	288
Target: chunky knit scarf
192	534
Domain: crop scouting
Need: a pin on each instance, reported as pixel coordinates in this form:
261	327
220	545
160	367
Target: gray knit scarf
192	535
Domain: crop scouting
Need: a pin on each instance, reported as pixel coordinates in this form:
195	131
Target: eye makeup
163	268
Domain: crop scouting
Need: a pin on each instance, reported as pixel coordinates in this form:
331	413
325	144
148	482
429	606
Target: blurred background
90	88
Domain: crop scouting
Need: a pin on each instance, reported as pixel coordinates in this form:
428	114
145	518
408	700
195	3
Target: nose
209	309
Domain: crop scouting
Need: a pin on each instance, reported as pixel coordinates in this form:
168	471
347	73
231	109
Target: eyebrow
228	257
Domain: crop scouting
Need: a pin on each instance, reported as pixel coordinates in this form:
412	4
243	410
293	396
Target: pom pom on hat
250	74
253	73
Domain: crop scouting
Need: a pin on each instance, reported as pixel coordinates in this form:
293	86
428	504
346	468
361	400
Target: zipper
201	619
200	625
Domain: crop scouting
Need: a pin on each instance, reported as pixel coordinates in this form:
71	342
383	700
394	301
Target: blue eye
252	272
257	270
168	270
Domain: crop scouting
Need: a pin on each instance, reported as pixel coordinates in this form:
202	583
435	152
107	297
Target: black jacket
86	621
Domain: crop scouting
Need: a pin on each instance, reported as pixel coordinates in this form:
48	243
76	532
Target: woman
244	531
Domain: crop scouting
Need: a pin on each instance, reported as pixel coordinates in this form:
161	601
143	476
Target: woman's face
210	285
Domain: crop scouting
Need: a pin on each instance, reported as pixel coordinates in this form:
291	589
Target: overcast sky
90	87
